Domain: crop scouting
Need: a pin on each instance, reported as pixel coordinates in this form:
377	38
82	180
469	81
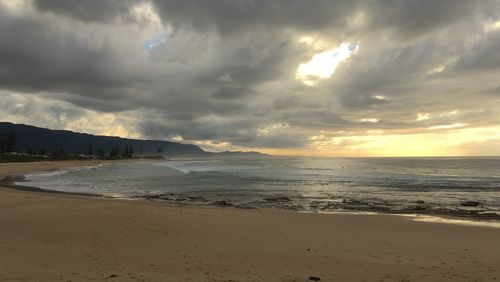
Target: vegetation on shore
8	152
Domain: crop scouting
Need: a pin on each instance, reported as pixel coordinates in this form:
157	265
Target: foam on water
437	219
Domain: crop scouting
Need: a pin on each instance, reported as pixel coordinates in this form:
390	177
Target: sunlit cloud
177	138
377	143
144	12
423	116
372	120
436	70
447	126
225	78
15	6
49	113
324	64
491	26
272	128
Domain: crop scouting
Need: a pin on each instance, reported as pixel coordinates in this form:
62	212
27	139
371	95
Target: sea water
424	185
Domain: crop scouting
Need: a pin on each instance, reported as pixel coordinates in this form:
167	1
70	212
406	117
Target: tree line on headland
28	142
8	152
20	142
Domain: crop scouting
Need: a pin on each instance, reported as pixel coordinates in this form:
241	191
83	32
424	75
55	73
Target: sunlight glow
15	6
462	141
272	127
324	64
447	126
423	116
154	43
145	12
437	69
458	142
369	120
492	26
225	78
177	138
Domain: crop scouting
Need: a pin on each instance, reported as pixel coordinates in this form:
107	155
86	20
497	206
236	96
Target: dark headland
43	141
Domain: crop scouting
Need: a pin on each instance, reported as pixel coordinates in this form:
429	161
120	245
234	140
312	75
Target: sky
288	77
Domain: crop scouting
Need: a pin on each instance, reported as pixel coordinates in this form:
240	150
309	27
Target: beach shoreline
11	178
65	237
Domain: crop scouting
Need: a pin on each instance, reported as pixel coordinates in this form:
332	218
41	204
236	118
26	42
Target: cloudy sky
326	78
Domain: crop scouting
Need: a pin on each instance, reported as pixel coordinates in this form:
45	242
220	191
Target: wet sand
55	237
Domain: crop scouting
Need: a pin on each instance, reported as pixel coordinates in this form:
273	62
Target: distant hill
41	139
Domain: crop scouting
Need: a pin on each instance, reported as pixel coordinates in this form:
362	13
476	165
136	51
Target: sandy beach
55	237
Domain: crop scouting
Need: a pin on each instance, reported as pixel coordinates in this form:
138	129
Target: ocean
459	186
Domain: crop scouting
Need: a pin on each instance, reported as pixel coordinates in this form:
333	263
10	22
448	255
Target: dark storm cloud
229	17
408	18
232	93
87	10
484	56
390	70
217	130
248	65
238	132
316	119
38	56
360	99
412	18
225	71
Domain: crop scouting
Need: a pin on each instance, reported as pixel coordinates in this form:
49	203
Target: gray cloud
88	10
36	55
229	17
225	70
484	56
412	18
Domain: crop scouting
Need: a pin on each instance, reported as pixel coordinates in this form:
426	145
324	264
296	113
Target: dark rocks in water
420	202
488	215
293	207
157	197
419	208
354	205
314	205
280	199
470	203
330	206
197	198
352	202
222	203
314	278
379	204
246	207
14	178
376	208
